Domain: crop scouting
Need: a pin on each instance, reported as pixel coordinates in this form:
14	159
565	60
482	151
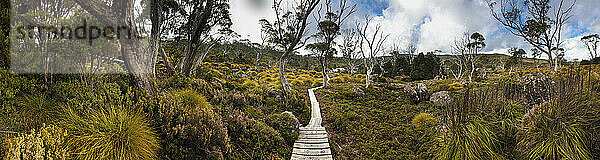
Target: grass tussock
110	133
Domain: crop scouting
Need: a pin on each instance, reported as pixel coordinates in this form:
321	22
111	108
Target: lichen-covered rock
294	123
537	88
442	98
391	86
275	93
417	92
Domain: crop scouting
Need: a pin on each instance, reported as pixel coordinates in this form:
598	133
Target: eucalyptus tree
591	43
371	42
121	13
539	22
466	52
196	18
516	57
287	32
329	29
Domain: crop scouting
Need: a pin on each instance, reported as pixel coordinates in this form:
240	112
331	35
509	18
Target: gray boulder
442	98
417	92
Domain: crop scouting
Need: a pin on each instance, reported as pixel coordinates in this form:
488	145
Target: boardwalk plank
313	142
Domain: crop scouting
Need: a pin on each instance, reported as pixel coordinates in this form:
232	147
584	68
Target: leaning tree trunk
156	19
324	72
122	12
129	51
199	26
282	78
188	60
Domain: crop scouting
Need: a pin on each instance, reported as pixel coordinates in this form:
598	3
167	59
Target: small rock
391	86
442	98
417	92
290	115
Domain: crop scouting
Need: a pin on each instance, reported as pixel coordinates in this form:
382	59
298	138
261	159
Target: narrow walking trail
313	141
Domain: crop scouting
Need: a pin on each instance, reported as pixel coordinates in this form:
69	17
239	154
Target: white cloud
435	24
575	49
245	15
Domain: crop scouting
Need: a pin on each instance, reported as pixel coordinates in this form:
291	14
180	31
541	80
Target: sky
433	24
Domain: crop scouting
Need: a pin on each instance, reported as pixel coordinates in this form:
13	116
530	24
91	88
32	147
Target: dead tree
371	42
349	49
466	52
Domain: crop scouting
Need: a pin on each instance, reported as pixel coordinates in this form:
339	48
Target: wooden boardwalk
313	142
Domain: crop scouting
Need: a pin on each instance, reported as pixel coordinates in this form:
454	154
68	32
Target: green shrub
176	81
35	110
12	88
255	140
249	84
550	133
297	82
48	143
340	79
456	86
286	124
188	128
109	133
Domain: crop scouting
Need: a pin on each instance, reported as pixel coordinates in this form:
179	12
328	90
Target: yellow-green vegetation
423	119
456	86
45	143
196	117
109	133
340	79
227	110
489	120
377	125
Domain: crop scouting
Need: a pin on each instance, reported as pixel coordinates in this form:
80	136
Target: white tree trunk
368	77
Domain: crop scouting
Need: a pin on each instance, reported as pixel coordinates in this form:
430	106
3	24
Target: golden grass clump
422	119
340	79
456	86
249	84
190	98
109	133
